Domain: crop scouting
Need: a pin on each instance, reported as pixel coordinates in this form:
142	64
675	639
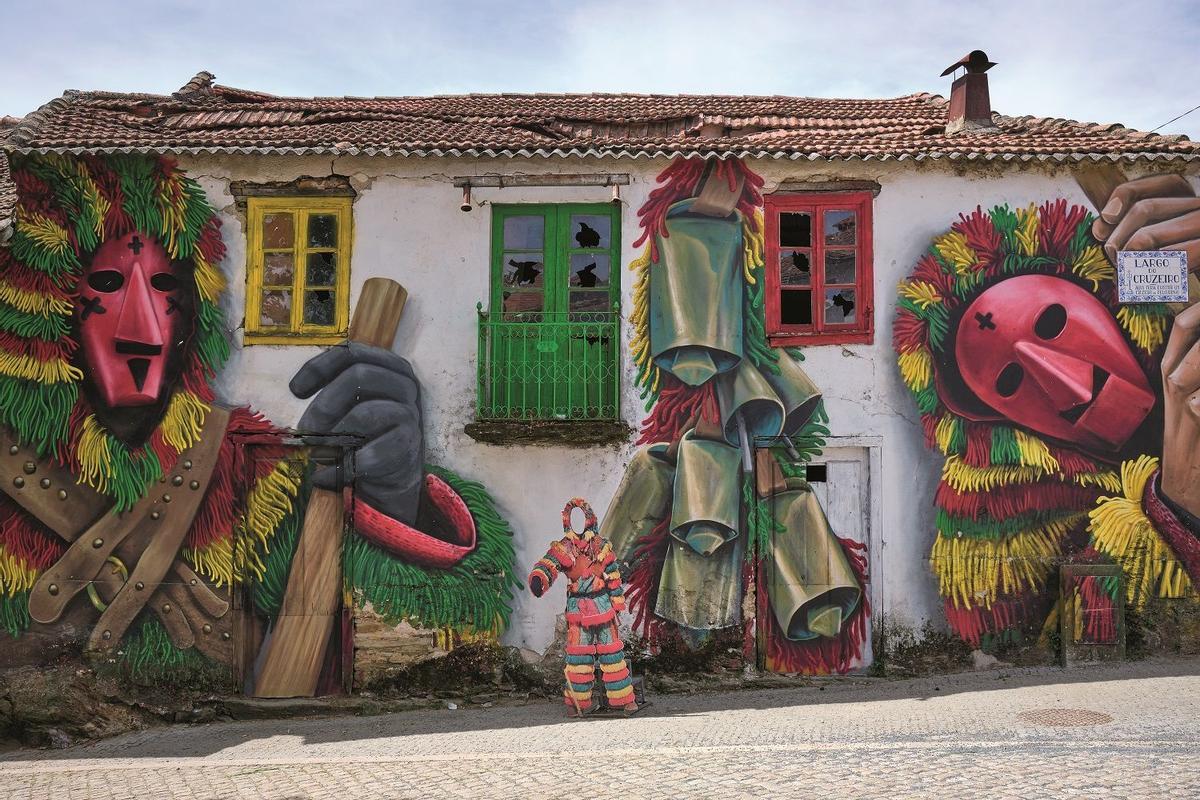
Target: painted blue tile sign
1152	276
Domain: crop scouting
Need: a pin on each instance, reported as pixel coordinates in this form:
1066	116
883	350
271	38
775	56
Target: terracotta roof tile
8	190
205	117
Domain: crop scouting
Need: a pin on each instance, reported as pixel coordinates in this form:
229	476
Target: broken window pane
524	233
278	231
583	300
589	271
522	301
523	270
795	229
839	266
795	307
840	306
590	231
794	268
322	230
318	307
277	269
839	227
276	308
322	269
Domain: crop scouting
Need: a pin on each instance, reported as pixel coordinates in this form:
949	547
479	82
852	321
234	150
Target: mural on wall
128	510
1046	398
594	597
713	505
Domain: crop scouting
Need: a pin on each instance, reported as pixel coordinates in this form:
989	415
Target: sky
1131	62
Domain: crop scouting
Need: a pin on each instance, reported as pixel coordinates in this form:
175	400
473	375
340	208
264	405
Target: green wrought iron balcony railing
549	366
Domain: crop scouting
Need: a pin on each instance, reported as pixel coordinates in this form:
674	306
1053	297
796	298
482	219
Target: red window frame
861	331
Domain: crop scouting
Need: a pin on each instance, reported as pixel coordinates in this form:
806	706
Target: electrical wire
1181	116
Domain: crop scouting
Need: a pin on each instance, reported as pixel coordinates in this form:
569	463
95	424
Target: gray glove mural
373	393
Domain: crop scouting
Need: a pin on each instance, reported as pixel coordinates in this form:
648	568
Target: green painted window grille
549	343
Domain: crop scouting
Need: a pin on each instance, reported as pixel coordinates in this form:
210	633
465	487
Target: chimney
970	105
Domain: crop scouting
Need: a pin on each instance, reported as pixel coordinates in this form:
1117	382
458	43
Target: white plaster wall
408	226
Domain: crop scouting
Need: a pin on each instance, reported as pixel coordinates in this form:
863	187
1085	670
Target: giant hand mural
126	506
1046	399
691	522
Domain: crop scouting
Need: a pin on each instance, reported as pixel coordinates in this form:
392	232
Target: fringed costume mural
127	512
594	596
690	519
1045	398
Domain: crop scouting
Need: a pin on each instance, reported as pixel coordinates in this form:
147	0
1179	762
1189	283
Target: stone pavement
1135	734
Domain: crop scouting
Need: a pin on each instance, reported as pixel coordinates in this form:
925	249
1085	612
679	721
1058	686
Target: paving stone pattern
951	737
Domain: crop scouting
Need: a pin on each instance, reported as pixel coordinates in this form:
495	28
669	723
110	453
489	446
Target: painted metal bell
746	390
798	393
705	513
703	592
696	296
810	583
640	502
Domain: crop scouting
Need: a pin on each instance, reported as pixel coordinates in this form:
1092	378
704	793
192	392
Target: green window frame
560	250
549	343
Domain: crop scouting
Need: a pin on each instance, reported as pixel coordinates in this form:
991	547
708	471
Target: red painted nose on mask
138	323
128	316
1066	380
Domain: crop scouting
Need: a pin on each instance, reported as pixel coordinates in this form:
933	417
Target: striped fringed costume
1012	505
594	596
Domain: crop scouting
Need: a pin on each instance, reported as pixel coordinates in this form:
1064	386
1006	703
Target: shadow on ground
208	739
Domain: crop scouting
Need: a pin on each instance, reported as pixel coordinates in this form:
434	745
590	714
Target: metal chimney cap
974	61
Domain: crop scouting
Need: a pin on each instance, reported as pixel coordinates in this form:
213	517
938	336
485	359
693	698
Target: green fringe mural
122	469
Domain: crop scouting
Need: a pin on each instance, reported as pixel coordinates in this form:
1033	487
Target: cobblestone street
976	735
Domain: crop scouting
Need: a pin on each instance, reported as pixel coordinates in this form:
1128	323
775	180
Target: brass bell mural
811	584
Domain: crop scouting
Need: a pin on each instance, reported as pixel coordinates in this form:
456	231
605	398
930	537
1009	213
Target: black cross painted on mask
172	306
91	305
135	245
985	321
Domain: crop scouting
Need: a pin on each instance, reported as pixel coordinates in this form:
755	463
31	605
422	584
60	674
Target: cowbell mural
716	502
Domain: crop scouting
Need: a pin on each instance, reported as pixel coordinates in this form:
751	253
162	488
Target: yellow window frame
301	208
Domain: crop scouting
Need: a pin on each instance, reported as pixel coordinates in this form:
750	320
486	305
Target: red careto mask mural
1048	355
128	313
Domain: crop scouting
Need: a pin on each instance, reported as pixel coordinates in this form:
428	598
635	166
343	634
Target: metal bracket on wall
553	180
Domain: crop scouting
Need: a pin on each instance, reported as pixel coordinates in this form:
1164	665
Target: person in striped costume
594	596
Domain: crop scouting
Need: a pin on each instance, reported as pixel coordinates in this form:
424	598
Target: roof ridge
218	88
23	132
208	117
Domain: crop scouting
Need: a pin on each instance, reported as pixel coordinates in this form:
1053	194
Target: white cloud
1098	61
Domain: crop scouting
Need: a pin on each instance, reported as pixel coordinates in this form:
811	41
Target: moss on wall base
556	433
